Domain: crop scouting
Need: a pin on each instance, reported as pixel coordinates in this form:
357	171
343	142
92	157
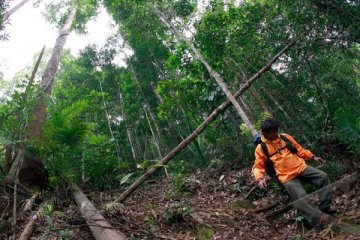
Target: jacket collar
265	140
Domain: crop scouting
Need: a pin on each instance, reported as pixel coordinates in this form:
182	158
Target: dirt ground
207	205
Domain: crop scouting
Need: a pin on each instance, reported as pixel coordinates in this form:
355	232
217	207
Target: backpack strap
265	150
289	144
269	166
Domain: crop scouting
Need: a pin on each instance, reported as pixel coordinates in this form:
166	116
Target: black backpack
269	166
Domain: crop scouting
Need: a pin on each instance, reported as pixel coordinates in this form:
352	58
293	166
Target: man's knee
324	176
322	179
295	191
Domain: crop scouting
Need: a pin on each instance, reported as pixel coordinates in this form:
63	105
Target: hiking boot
329	210
318	227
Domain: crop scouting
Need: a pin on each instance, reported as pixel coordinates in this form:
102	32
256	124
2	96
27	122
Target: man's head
270	128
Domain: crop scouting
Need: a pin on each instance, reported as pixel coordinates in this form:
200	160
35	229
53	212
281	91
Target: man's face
272	134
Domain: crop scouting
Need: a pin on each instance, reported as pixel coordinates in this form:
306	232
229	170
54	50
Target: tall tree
212	72
37	121
35	126
13	10
199	129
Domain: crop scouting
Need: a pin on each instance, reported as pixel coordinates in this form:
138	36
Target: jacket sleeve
259	165
302	152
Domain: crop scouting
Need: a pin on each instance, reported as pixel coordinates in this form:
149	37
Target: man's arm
304	153
259	167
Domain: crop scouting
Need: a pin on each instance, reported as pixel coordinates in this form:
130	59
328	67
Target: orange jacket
287	165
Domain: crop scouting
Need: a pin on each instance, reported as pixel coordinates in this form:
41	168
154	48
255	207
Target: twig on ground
263	209
276	213
251	190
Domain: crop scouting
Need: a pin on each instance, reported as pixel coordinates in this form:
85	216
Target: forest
161	147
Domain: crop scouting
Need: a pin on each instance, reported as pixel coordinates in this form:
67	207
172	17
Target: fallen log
263	209
343	184
29	203
201	128
100	228
29	228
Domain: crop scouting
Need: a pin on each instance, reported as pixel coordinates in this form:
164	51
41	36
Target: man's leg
321	180
297	192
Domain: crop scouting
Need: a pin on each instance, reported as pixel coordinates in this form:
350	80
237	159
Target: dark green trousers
297	192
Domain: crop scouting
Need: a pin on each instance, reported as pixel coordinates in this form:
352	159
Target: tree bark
8	157
144	99
211	71
100	228
158	96
277	104
287	116
201	128
252	91
131	141
247	110
13	10
17	131
258	99
16	165
109	123
29	227
37	120
152	131
128	131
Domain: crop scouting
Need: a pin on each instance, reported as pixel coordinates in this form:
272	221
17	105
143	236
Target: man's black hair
270	124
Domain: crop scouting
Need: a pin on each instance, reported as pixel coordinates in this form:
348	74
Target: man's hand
319	160
262	184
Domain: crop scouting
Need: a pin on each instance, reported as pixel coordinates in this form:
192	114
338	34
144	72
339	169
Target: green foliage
57	12
125	178
3	7
334	169
151	222
65	131
184	8
348	125
205	233
98	132
178	182
113	207
177	212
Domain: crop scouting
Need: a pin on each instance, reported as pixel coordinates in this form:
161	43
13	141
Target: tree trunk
277	104
246	109
131	141
109	123
211	71
201	128
128	131
158	96
144	99
17	131
153	119
100	228
82	168
258	99
37	120
16	165
8	157
11	11
252	91
155	137
152	132
287	116
29	227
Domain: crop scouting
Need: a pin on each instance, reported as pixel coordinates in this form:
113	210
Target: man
290	168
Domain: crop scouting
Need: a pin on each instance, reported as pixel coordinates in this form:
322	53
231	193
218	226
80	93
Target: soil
206	205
